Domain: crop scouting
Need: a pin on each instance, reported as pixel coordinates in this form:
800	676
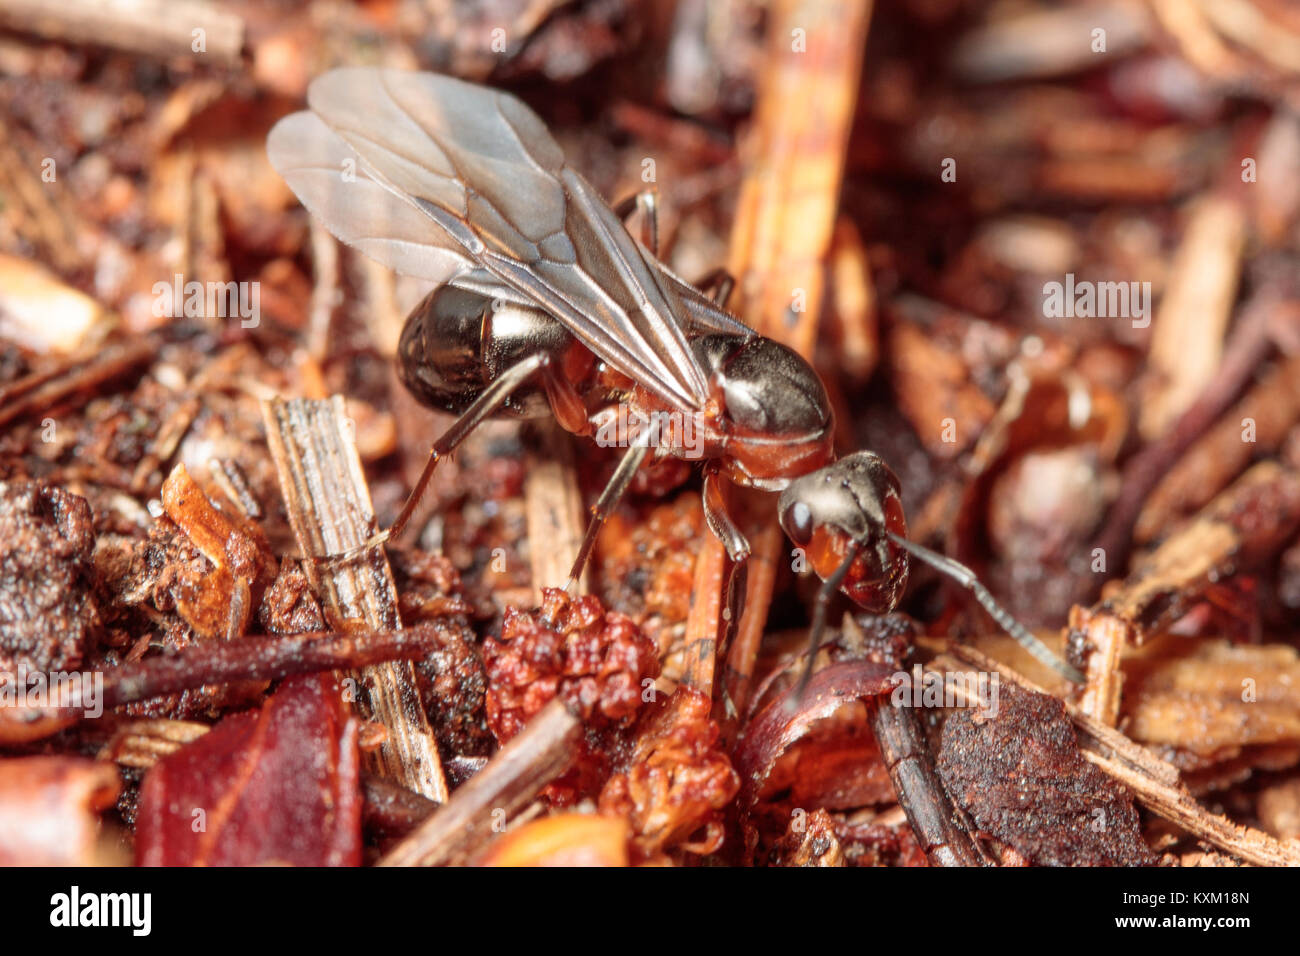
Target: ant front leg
825	594
647	202
726	531
737	548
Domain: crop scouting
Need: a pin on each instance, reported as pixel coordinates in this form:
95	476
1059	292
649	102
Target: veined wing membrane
372	217
491	184
363	213
704	314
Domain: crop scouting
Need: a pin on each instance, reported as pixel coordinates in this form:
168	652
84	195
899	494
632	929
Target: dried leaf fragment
1207	696
218	601
812	841
275	785
47	614
677	782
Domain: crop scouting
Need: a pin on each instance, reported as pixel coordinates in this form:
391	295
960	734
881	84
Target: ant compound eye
798	523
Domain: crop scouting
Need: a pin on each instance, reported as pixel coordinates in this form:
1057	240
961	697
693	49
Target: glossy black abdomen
456	342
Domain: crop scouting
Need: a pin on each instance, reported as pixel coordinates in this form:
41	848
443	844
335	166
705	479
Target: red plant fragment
272	786
596	661
786	720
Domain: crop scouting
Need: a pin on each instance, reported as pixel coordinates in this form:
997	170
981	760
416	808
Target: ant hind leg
488	403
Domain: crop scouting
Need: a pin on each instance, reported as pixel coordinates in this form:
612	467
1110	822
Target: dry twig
518	772
162	28
1252	518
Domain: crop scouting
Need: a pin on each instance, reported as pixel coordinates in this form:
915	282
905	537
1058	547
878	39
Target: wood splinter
511	779
329	507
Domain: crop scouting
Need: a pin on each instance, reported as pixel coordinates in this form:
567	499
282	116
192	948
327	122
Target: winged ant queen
545	304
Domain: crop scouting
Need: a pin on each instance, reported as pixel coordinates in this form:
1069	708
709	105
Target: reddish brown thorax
747	457
757	458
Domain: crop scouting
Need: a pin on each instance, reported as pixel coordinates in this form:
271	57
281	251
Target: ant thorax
774	415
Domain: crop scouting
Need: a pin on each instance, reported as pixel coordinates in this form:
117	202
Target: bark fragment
1021	778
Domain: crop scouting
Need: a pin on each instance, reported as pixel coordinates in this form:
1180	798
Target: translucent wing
459	183
322	170
704	315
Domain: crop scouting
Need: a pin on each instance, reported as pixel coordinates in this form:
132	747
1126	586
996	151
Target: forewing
703	314
481	167
323	172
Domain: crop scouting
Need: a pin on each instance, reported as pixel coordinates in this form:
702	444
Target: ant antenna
828	589
953	569
966	578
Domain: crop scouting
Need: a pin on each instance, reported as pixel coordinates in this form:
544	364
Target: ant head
849	506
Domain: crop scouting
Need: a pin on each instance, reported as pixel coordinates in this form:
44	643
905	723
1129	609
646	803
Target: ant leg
824	596
725	530
967	579
647	201
489	401
604	507
718	285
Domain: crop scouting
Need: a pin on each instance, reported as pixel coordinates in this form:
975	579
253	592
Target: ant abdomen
457	342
